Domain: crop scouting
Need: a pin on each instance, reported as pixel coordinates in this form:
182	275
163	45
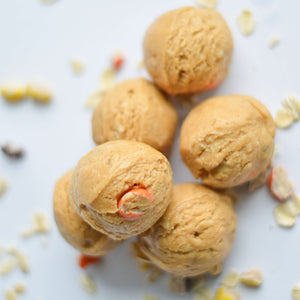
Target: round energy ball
188	50
121	188
227	140
194	235
72	227
135	110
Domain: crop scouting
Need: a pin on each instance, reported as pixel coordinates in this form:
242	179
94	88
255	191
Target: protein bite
188	50
121	188
135	110
72	227
194	235
227	140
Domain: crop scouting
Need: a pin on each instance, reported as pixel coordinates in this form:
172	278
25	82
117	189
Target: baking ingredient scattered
23	262
153	273
246	22
87	283
289	113
13	91
85	260
94	99
231	279
39	92
177	284
11	294
273	42
205	293
117	60
140	65
252	278
224	293
150	297
296	292
12	150
8	265
274	154
3	186
207	3
107	81
258	181
19	288
285	214
296	202
40	224
77	66
279	184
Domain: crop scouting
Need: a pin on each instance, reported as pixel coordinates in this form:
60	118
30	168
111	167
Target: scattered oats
273	42
77	66
20	288
11	295
285	214
283	119
289	113
231	279
40	224
207	3
12	150
150	297
217	269
87	283
252	278
258	182
274	154
205	293
296	202
39	92
140	65
279	184
11	249
246	22
197	283
23	262
94	99
13	91
3	186
224	293
153	273
296	292
107	80
8	265
177	284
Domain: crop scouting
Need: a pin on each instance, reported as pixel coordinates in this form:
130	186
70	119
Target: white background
38	41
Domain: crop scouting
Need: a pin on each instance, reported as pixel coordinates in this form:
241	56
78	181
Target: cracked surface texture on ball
72	227
227	140
194	235
111	173
135	110
188	50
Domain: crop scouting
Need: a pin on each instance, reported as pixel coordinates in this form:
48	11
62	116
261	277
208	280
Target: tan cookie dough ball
122	188
72	227
135	110
188	50
194	235
227	140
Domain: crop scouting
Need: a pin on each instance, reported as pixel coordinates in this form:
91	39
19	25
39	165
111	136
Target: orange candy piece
128	197
85	260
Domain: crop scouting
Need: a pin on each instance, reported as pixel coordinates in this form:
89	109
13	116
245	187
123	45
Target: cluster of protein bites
124	187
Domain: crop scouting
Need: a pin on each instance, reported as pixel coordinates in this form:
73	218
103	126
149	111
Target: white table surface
38	41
